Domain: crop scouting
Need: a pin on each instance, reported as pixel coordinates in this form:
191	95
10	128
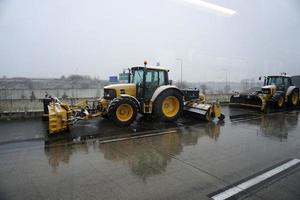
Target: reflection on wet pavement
135	152
283	124
149	160
274	125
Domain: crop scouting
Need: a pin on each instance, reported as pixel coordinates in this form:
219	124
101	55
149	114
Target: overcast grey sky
50	38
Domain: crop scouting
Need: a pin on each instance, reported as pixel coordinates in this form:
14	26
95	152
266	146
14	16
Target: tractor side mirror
170	82
129	75
259	78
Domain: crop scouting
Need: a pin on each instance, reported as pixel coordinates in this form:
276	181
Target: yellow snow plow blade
58	117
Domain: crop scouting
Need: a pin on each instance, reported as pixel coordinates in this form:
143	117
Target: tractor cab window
155	78
137	76
275	81
151	83
162	78
287	81
152	78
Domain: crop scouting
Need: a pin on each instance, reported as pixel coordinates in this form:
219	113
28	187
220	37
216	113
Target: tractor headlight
266	91
109	94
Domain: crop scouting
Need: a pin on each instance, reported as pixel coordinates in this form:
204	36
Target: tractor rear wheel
294	98
169	105
122	111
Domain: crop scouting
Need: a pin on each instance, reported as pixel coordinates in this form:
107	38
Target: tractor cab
147	80
281	82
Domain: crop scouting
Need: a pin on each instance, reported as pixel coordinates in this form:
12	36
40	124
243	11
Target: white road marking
253	181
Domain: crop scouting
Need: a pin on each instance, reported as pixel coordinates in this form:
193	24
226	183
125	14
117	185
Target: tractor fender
133	98
163	88
290	90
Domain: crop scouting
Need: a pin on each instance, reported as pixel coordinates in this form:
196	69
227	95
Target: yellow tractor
276	93
148	92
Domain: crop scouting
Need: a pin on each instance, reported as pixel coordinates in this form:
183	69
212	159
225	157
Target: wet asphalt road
149	160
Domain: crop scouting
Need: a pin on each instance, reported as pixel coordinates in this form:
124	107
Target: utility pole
181	63
226	79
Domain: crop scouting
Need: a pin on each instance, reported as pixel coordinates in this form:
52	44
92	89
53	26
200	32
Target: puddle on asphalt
148	147
104	129
145	156
283	124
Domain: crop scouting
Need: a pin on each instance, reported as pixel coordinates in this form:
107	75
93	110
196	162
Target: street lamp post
181	63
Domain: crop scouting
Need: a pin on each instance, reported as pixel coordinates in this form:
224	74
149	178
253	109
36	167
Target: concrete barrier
18	108
16	94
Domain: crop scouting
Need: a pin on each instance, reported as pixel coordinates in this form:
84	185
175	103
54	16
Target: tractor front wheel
280	102
277	101
122	111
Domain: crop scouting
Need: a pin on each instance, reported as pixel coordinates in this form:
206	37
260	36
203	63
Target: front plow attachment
59	116
243	100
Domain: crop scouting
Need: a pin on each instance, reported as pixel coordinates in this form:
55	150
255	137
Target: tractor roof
152	67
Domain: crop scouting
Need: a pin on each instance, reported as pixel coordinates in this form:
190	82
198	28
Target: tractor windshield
278	81
137	76
274	80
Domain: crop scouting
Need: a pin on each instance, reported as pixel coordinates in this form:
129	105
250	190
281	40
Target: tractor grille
109	94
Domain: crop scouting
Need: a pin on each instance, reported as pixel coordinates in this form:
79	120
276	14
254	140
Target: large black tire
160	104
277	102
293	98
122	111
